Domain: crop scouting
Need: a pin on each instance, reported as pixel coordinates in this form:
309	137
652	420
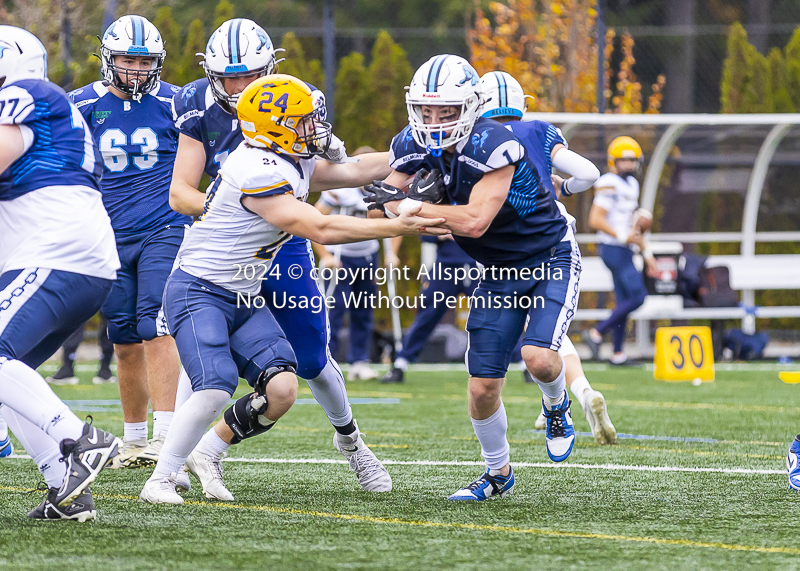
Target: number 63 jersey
137	142
229	245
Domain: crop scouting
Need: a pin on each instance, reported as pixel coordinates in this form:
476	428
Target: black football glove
379	193
427	187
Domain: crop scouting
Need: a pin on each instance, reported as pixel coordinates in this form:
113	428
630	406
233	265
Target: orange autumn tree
549	46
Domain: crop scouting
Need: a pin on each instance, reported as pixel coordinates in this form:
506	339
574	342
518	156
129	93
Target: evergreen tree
736	72
781	101
222	13
195	43
353	101
757	97
792	65
171	35
389	73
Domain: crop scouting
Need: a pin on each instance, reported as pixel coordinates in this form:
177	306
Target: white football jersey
229	245
620	198
62	228
349	202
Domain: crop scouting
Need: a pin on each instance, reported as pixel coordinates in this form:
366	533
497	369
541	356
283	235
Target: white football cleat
182	481
371	474
128	456
541	421
597	415
361	371
160	490
208	469
149	456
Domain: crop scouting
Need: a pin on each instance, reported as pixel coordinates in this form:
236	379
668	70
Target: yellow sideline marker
789	377
684	354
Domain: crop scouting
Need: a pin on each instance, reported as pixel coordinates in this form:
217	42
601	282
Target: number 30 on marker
684	354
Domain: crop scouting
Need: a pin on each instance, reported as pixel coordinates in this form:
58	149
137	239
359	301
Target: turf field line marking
703	406
470	463
646	437
467	526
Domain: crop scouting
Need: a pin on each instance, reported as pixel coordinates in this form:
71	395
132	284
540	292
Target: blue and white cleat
793	464
6	448
559	433
486	487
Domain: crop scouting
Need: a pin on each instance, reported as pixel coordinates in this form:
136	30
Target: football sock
41	447
3	429
347	429
189	426
212	444
554	391
184	389
328	389
491	433
134	431
161	422
579	387
401	363
28	394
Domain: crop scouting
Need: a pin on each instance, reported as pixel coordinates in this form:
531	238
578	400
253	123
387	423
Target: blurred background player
57	264
258	198
66	374
361	258
503	217
616	200
504	101
449	256
130	115
238	52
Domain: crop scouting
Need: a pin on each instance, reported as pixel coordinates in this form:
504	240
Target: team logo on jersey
469	75
479	140
175	89
212	142
213	134
100	116
188	91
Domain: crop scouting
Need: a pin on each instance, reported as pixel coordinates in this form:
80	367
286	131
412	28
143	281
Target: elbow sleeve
583	171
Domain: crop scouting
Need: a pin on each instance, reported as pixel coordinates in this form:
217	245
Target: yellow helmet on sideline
624	148
277	112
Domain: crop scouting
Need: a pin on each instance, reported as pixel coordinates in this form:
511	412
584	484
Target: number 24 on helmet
277	112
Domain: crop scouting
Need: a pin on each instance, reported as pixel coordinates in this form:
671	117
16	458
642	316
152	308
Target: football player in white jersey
57	263
619	222
238	52
255	205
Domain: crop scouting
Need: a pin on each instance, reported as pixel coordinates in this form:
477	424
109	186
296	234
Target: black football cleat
81	509
85	458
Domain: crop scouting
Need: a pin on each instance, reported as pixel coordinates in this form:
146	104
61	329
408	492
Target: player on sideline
238	52
256	203
57	263
504	101
502	215
130	116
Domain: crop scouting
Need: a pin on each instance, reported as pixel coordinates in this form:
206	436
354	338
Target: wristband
622	237
564	191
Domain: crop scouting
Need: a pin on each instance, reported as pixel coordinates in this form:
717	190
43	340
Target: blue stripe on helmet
138	31
433	74
503	88
233	38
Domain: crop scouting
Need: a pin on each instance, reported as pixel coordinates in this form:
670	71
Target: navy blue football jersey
137	142
199	116
527	224
539	138
60	150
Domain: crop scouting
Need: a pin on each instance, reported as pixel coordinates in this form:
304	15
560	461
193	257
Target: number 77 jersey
137	141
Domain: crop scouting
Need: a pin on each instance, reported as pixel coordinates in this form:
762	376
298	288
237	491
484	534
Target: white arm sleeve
583	171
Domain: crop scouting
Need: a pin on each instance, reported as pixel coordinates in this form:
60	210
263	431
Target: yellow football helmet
624	148
277	112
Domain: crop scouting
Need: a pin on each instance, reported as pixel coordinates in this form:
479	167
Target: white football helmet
22	56
502	95
239	47
132	36
443	80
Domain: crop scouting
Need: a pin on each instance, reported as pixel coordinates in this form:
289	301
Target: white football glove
336	152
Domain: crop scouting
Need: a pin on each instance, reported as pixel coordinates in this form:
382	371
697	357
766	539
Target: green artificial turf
603	514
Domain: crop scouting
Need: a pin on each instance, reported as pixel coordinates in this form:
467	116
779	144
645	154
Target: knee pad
246	417
146	328
266	376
